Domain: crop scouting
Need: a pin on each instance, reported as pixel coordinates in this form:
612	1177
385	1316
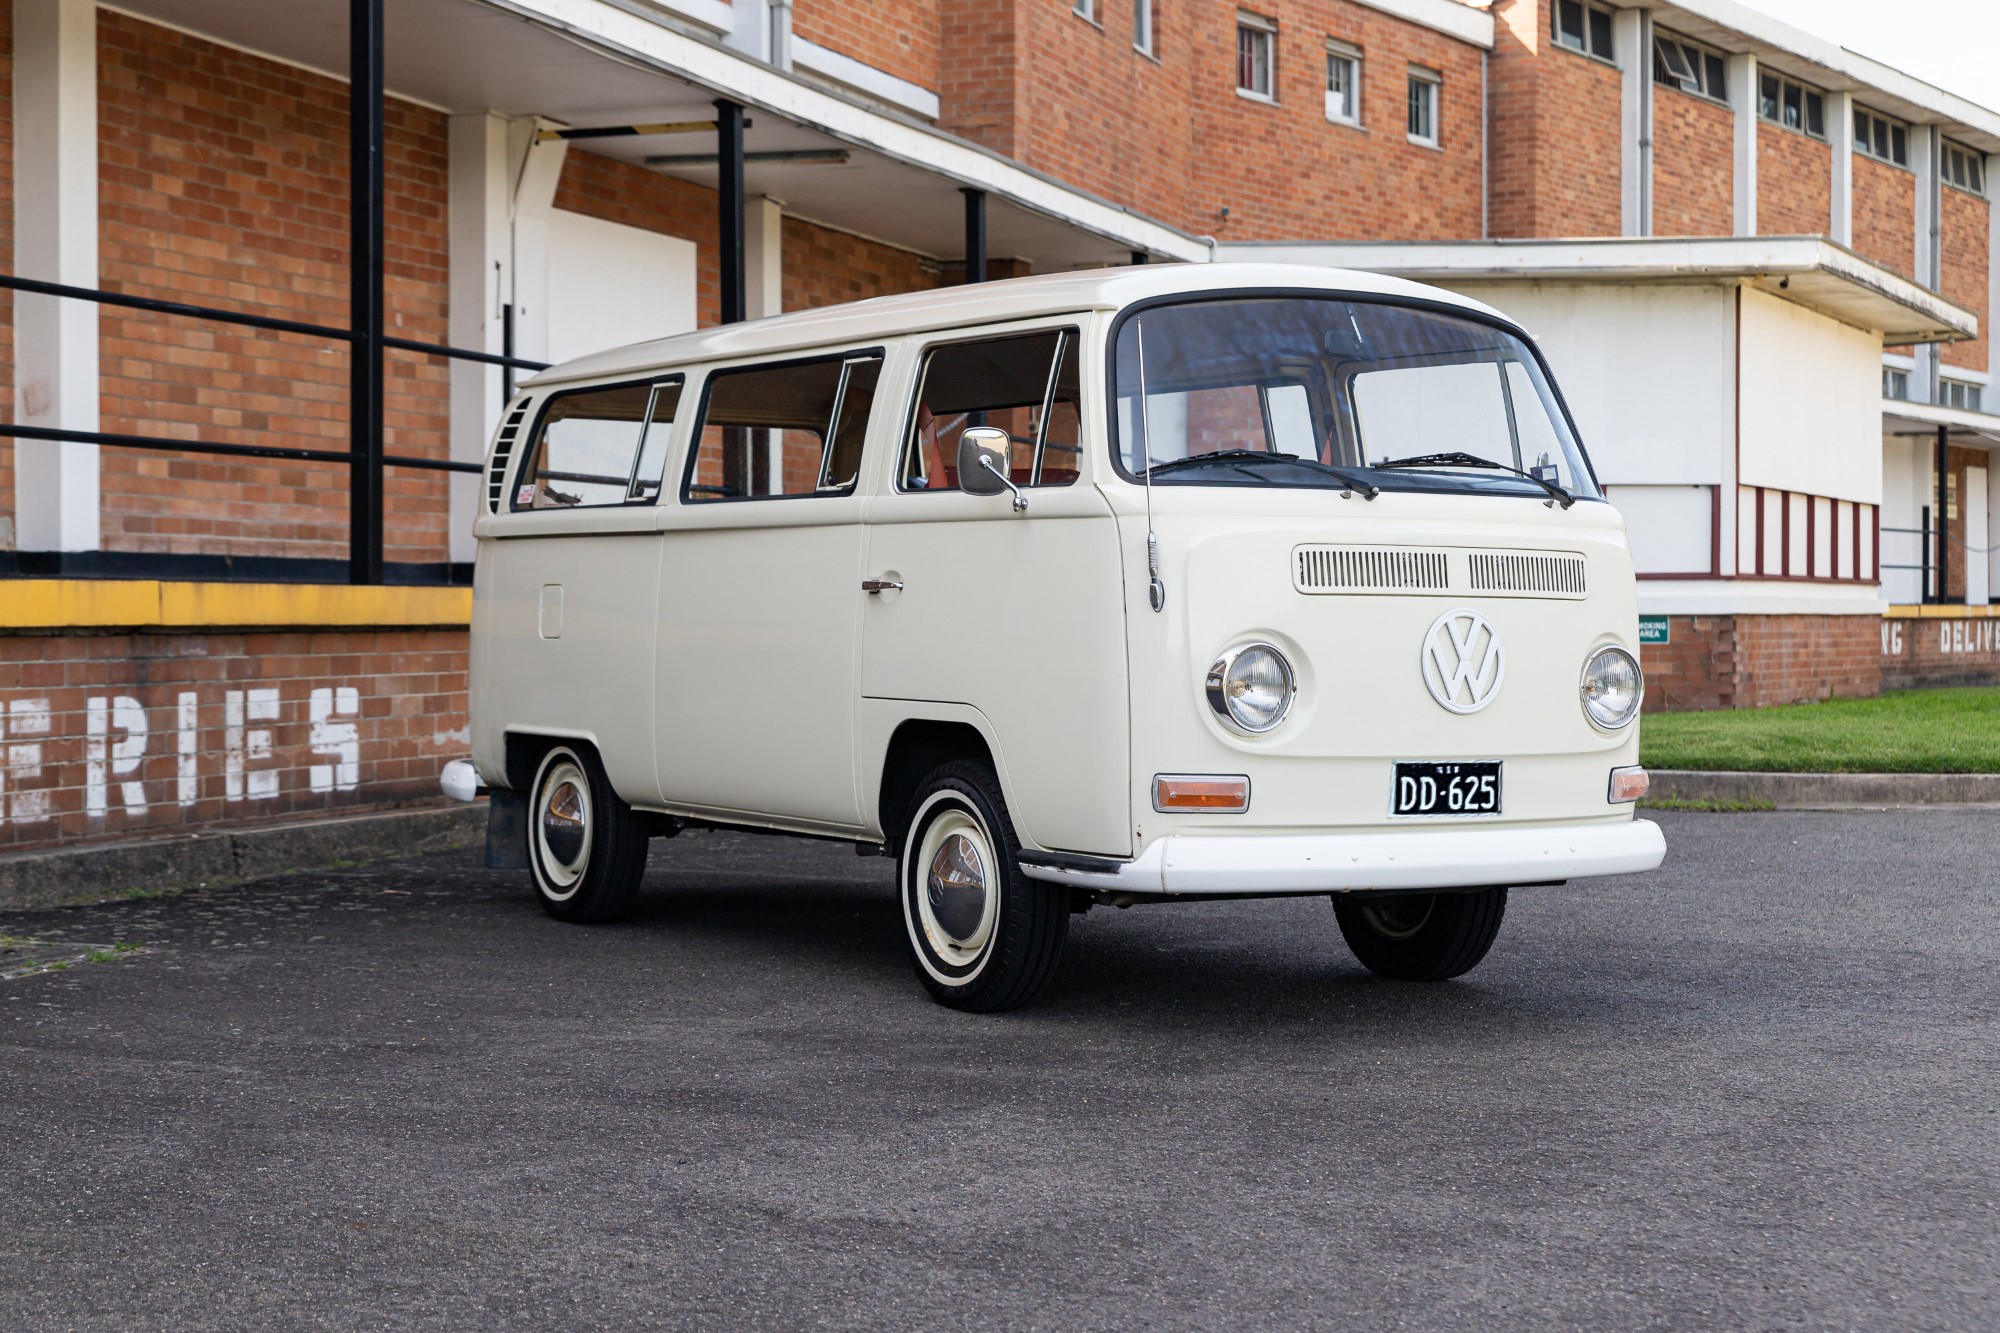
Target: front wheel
983	936
1421	936
586	847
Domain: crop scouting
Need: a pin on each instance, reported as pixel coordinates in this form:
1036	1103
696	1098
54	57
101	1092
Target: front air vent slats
1527	575
503	450
1429	571
1370	569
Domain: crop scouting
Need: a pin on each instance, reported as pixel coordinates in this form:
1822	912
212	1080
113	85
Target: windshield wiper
1460	459
1344	475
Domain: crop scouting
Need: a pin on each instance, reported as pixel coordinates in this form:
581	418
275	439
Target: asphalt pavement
1757	1088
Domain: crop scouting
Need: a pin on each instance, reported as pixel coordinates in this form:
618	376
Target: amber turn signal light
1628	784
1195	791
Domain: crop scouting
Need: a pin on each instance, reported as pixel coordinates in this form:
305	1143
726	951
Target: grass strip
1908	731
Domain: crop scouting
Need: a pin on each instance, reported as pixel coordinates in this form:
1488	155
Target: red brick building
180	642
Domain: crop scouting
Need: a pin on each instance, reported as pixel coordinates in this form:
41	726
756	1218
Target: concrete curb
1805	791
98	871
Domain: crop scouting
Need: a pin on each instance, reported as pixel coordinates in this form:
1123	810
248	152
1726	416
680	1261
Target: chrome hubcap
957	889
562	828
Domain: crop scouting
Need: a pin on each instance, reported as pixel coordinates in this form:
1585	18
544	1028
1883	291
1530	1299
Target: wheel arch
914	747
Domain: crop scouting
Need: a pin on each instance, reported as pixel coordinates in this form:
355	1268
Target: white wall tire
983	936
586	847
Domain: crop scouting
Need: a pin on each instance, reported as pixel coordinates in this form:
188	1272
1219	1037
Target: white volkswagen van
1115	587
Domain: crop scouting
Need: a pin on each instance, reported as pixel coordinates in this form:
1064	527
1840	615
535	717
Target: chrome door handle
880	585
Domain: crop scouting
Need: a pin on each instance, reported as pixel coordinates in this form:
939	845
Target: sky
1954	44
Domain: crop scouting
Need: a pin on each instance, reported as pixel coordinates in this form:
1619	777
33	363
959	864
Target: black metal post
1943	514
1141	257
365	134
975	234
729	208
506	350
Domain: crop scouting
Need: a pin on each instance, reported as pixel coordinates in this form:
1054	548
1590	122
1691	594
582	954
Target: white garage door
610	284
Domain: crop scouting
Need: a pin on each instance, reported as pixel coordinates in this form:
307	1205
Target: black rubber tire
617	836
1421	936
1025	944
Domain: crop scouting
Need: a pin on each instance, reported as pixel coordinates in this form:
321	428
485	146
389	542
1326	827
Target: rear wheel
1421	936
586	847
983	936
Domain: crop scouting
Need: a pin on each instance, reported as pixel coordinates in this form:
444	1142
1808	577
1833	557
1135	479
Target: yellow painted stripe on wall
1941	612
147	603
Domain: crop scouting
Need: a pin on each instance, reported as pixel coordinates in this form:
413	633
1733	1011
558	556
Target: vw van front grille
1527	574
503	450
1370	569
1421	571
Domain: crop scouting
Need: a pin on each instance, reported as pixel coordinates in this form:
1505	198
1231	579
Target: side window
783	430
1026	385
601	446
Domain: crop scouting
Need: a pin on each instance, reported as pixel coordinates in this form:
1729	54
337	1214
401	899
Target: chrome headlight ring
1251	688
1612	688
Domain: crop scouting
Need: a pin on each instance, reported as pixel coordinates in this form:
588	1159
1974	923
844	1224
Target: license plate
1470	788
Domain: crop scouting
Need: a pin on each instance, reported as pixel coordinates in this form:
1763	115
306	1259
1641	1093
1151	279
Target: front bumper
1455	858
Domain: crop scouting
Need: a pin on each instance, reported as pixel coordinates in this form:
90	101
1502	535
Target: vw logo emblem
1462	663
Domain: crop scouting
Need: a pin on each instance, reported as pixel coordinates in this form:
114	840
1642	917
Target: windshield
1281	391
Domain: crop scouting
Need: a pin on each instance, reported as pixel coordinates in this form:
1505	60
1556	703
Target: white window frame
1145	26
1589	45
1432	84
1085	10
1864	143
1896	383
1350	55
1669	47
1267	30
1968	164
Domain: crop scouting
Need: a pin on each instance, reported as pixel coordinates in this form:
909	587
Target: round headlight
1251	687
1612	688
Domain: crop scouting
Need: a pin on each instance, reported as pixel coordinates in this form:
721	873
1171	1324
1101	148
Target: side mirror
982	464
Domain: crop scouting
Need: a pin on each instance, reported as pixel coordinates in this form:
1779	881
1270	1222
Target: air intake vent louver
503	451
1524	574
1370	569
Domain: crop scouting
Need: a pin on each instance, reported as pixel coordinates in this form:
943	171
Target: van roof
857	323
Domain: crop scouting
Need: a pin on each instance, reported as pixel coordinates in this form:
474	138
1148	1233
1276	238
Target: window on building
1583	27
1424	85
1964	168
1256	56
1895	383
1343	83
1692	69
1881	138
1085	9
1142	26
1960	394
600	446
780	430
1786	102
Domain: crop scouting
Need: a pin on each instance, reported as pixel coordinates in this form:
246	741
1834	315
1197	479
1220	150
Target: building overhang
1808	271
1978	430
588	63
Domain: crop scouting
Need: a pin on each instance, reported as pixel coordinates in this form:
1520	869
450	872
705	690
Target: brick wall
899	37
223	181
1694	165
1714	662
1794	183
111	734
1965	220
1927	652
1885	214
978	78
826	267
1556	125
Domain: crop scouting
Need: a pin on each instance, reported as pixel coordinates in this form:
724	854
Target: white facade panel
610	285
1905	474
1646	370
1812	410
1669	526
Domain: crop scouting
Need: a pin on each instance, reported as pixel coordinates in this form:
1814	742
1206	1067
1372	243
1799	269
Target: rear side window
1026	385
600	446
784	430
